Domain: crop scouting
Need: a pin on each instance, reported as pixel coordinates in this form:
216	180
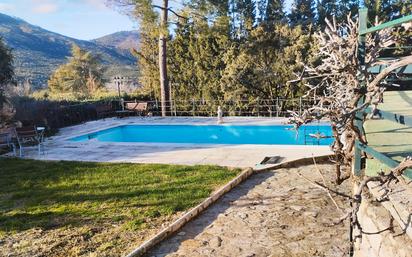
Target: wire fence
277	107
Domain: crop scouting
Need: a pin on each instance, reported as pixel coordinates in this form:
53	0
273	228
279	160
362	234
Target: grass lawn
49	195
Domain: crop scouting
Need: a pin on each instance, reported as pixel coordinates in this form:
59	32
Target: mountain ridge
38	52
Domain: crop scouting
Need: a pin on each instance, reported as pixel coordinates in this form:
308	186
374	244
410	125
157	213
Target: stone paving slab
60	148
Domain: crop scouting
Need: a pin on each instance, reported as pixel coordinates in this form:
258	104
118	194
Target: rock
181	233
296	208
215	242
191	243
242	215
256	202
276	243
313	214
283	226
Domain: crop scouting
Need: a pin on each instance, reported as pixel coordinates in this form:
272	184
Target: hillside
38	52
124	40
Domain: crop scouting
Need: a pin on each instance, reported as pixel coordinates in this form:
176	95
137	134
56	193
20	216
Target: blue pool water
211	134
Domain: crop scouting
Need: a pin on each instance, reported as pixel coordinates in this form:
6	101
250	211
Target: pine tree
302	13
81	76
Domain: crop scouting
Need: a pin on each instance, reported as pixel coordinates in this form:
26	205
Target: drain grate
271	160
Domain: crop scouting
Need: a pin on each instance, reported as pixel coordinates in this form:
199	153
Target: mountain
38	52
124	40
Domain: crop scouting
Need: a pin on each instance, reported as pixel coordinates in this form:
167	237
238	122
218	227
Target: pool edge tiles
210	134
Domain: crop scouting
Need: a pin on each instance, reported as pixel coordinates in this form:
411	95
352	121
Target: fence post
300	105
277	107
363	20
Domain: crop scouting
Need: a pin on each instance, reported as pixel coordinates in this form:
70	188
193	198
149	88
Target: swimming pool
212	134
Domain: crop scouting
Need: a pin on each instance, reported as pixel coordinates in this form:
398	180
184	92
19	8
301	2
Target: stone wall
386	223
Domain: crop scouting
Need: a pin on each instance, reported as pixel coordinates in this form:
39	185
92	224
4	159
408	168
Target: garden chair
7	140
27	136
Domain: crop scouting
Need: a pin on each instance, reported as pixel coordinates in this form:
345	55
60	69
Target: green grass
56	194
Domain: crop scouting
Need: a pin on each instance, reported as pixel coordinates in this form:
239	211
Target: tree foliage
81	76
6	79
236	50
302	13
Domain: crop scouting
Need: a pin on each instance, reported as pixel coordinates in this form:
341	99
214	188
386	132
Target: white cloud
6	7
45	8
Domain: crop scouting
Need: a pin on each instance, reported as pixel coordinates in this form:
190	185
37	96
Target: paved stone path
275	213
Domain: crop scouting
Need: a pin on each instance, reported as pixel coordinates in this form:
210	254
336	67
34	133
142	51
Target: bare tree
344	87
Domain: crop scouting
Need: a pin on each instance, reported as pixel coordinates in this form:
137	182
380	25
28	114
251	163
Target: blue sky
81	19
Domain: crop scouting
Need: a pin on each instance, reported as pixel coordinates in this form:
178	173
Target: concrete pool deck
59	147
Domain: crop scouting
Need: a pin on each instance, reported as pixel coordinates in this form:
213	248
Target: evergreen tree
148	63
274	12
302	13
81	76
337	9
6	78
379	9
244	17
261	68
401	8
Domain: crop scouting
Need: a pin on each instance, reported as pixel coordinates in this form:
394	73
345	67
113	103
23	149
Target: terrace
60	147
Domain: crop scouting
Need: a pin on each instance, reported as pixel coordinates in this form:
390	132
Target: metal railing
407	121
277	107
391	163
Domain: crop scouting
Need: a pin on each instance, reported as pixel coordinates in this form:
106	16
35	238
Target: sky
81	19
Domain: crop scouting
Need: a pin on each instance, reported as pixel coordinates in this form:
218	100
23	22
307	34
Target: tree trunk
164	81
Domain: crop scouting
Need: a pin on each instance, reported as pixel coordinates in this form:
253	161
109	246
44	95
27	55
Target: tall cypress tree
274	11
338	9
245	13
325	9
302	13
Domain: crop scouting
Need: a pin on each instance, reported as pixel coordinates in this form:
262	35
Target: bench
137	108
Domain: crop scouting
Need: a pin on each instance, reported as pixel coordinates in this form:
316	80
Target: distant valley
38	52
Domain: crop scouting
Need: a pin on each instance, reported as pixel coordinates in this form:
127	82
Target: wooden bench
138	108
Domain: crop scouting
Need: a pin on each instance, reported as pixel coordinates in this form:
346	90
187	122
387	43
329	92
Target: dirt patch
274	213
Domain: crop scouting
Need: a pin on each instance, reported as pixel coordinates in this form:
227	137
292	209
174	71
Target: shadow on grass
53	194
